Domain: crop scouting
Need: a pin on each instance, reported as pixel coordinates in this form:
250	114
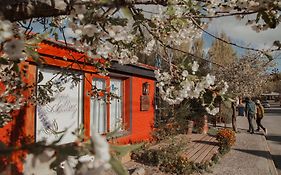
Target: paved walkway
272	121
249	156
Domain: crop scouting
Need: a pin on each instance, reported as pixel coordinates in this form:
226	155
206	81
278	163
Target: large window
63	115
113	120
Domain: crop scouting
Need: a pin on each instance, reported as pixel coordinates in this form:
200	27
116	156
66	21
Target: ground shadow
240	130
264	154
277	161
274	138
206	142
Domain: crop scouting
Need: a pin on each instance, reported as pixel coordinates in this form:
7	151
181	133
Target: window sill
119	134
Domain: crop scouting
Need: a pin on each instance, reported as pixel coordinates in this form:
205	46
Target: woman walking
260	115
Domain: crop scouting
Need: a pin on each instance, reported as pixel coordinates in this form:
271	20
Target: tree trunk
234	126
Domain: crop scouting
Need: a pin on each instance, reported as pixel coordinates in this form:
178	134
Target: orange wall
18	131
142	121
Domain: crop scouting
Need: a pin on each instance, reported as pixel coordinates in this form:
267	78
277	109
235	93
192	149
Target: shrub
166	129
168	158
226	138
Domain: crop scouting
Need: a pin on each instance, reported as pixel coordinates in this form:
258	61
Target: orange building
131	114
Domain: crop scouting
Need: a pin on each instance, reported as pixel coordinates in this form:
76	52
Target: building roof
138	69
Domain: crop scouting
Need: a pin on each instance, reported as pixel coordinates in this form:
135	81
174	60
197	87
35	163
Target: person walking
250	111
260	115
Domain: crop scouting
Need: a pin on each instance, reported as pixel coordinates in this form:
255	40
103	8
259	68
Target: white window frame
67	138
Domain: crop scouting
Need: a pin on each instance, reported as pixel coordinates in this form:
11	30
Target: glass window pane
98	109
116	105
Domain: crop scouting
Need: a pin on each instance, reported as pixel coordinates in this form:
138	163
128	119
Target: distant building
271	96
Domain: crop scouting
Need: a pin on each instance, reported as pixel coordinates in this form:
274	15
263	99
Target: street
272	121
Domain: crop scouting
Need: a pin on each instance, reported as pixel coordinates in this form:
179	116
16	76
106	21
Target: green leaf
269	56
152	24
30	51
58	140
69	151
269	19
105	1
277	43
37	38
56	35
139	16
58	161
2	145
126	12
122	150
118	167
53	24
170	10
3	61
16	68
258	17
118	21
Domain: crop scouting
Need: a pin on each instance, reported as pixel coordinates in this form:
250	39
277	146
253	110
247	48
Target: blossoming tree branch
119	30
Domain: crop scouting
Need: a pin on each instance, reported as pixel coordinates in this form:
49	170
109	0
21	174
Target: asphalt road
272	121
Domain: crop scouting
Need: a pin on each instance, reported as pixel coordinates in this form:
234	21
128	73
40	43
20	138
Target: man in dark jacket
250	111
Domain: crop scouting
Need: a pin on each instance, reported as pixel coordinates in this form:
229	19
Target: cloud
244	35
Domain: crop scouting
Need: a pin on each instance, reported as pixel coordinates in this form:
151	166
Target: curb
272	168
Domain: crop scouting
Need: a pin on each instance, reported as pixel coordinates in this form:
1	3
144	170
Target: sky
243	35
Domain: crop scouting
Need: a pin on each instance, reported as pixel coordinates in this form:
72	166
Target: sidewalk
249	156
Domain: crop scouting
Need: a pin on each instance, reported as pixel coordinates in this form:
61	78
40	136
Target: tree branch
16	10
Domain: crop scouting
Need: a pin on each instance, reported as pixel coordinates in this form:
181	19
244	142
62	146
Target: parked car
265	104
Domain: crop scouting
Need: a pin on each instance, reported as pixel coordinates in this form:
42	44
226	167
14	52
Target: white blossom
187	85
195	67
103	50
60	5
224	89
72	25
213	111
185	73
35	163
5	30
149	47
102	155
78	31
89	30
210	79
14	49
